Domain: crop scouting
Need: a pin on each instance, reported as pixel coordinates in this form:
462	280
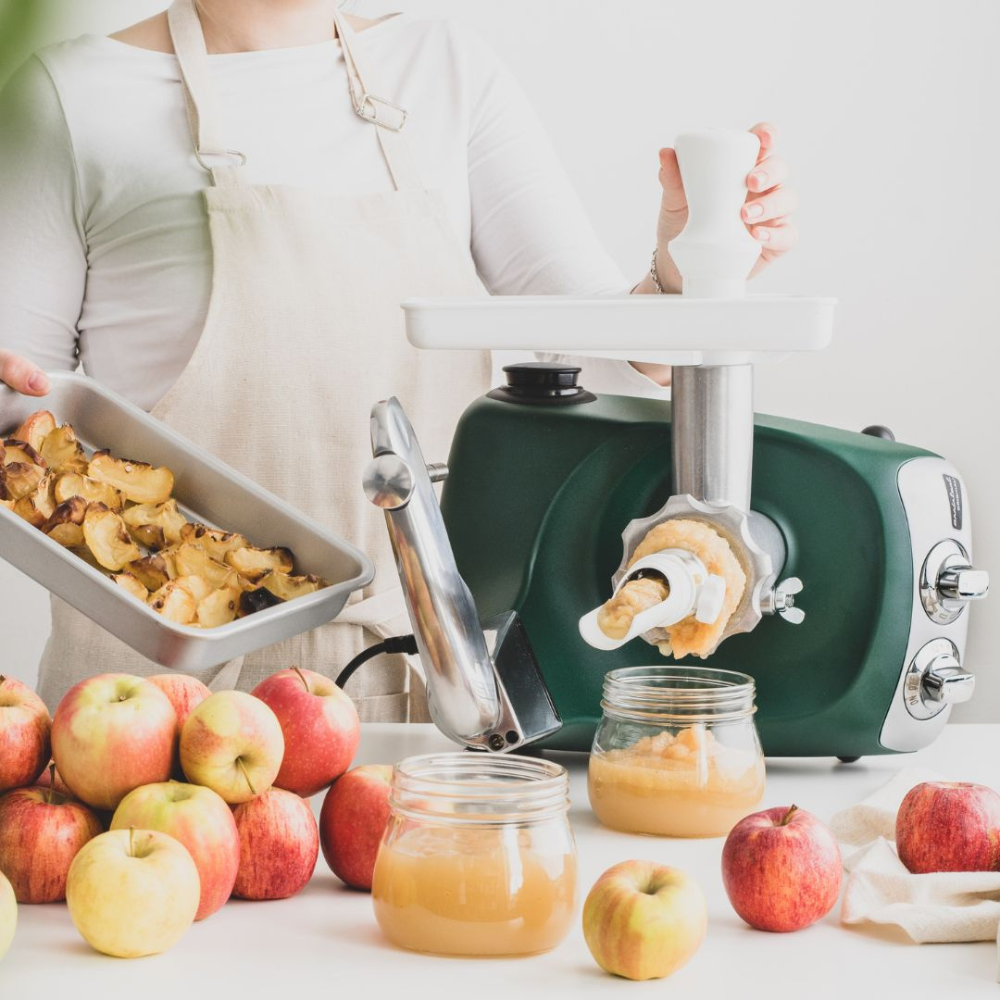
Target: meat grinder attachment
484	688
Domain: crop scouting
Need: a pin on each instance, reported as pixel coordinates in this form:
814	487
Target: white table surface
325	942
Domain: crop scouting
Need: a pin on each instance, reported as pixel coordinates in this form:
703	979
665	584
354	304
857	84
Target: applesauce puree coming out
474	892
686	784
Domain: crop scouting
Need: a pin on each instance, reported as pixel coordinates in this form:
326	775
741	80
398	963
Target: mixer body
535	505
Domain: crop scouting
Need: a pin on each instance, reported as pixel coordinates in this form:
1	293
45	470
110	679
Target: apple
8	914
201	821
41	831
232	743
132	892
642	920
279	844
50	778
184	692
112	733
320	725
781	869
24	734
351	823
949	826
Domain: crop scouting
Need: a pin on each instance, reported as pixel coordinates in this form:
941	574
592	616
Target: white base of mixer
665	329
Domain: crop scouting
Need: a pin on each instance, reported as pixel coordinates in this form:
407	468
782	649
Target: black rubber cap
544	383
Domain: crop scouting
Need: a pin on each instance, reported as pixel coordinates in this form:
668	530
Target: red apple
949	826
781	869
232	743
51	778
41	831
352	821
112	733
320	725
185	694
279	844
642	920
24	734
201	821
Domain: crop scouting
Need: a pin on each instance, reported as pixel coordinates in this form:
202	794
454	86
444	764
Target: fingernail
759	178
37	382
753	210
763	235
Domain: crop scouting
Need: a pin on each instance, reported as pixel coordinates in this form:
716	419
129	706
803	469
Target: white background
888	113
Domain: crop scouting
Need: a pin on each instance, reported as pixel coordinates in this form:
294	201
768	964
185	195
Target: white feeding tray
665	329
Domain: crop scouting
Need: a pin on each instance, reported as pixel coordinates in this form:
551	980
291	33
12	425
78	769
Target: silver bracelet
654	275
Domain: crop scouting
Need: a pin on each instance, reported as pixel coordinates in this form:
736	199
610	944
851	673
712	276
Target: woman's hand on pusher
766	214
22	376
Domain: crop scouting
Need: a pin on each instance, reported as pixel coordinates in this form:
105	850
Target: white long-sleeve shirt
105	255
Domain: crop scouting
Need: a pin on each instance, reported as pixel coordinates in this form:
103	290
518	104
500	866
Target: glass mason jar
478	857
677	752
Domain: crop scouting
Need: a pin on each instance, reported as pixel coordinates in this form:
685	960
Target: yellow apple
132	892
8	914
642	920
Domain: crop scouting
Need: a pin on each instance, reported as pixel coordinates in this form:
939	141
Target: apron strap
387	117
199	95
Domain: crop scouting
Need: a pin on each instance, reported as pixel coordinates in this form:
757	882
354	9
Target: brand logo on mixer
954	488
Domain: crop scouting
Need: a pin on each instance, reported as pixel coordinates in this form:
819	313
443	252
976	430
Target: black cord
394	644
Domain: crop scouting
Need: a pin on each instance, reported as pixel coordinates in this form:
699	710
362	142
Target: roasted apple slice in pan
15	450
63	451
253	564
215	542
139	481
155	525
130	584
192	559
154	571
219	608
18	479
65	526
37	507
289	587
108	538
175	603
36	429
197	586
72	484
258	599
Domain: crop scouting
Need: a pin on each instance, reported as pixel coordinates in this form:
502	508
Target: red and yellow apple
50	778
642	920
132	892
232	743
184	691
949	826
41	831
320	725
351	823
24	734
201	821
781	869
8	914
112	733
279	844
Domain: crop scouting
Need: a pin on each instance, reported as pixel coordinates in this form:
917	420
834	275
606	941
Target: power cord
394	644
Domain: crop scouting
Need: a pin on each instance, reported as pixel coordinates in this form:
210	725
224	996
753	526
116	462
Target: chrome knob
963	583
388	481
781	601
437	471
945	682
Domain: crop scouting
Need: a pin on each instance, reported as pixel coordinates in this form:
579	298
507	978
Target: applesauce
677	753
478	857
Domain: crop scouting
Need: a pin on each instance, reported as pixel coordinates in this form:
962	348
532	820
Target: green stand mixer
856	549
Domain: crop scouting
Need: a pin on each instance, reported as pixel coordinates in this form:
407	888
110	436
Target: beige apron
303	334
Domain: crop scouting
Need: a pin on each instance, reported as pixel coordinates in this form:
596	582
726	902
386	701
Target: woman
212	212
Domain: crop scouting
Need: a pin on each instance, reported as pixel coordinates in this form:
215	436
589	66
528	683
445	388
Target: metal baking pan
206	490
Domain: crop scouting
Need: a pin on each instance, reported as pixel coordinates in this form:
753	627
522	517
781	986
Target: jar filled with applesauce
478	857
677	752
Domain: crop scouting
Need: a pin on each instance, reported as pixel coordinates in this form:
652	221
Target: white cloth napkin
938	907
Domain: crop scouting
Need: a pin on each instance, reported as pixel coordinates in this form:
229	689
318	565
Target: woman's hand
22	376
766	213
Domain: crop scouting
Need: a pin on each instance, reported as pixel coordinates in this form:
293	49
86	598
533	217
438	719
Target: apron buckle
367	107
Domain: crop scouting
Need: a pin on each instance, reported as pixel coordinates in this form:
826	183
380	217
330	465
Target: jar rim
678	691
471	787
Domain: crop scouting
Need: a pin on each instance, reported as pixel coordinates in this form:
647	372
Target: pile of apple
164	799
